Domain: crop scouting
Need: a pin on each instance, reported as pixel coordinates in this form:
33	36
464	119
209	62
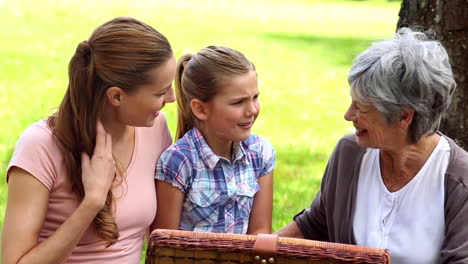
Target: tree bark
449	20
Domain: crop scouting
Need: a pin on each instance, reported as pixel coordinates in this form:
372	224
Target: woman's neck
123	140
219	146
118	130
399	166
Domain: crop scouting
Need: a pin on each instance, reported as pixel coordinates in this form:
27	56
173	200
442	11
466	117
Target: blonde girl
217	177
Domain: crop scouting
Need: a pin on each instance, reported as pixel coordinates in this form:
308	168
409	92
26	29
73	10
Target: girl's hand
99	172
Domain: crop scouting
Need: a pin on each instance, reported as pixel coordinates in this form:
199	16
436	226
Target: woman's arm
24	217
455	243
27	207
290	230
170	202
262	208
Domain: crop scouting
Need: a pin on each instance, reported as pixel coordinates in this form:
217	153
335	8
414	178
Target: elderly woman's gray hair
407	72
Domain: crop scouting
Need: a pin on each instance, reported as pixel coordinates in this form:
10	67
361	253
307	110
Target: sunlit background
302	51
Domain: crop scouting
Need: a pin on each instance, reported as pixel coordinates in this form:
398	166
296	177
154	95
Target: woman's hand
98	173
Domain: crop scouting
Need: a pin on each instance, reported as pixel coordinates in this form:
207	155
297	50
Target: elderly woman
397	183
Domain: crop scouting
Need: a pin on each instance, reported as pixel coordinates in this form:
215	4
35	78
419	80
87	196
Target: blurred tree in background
449	20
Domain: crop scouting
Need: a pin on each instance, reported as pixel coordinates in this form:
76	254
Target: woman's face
372	130
142	107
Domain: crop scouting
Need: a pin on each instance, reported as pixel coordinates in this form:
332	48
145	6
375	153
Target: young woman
78	178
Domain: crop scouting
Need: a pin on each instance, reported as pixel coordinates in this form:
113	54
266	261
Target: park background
302	50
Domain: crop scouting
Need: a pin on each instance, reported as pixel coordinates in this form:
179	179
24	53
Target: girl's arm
261	214
170	202
27	207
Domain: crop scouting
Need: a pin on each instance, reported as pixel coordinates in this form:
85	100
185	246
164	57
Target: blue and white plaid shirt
218	193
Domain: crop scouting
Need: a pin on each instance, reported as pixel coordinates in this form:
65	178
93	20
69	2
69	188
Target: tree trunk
449	19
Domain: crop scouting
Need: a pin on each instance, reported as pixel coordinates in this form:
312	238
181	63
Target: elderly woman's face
372	129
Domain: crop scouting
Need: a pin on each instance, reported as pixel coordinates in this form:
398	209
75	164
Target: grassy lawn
302	50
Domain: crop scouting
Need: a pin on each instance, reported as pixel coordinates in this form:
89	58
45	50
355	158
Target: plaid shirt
218	193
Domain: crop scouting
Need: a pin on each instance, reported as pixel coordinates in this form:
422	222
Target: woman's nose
170	96
350	114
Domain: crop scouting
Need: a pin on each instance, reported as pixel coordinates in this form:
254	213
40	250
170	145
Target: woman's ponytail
74	126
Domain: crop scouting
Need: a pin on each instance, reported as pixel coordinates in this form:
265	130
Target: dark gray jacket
330	216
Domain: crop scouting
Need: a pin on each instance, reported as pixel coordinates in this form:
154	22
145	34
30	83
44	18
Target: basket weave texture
186	247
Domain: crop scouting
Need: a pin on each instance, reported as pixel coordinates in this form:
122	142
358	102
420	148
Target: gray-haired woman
397	183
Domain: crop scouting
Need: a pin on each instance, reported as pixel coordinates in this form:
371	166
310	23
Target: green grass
302	50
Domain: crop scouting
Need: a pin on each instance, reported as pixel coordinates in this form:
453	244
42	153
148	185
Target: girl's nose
253	108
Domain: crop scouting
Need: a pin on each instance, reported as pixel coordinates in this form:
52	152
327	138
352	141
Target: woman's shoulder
348	143
37	135
38	129
349	140
37	152
458	164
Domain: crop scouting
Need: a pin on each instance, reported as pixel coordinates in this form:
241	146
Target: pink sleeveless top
37	153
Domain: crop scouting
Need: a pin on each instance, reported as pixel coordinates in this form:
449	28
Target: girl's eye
237	102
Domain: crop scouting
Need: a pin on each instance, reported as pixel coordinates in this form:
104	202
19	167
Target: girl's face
232	112
141	108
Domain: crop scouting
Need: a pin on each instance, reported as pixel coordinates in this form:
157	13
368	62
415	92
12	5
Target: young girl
217	177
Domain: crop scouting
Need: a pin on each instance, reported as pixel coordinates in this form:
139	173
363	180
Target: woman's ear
406	119
199	109
114	95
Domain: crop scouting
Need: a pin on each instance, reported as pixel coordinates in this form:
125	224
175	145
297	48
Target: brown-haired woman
81	186
218	177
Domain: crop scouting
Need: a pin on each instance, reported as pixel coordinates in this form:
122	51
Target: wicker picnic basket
185	247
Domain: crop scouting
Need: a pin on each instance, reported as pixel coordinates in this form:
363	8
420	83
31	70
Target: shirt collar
239	153
208	156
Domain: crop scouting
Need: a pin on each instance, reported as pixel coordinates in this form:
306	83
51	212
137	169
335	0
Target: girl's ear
199	109
114	95
406	119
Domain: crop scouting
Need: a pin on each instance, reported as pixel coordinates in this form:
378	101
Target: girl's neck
219	146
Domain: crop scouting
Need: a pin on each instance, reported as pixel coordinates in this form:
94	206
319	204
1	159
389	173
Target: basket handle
264	249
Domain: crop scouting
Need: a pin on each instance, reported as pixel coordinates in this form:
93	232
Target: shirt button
229	206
